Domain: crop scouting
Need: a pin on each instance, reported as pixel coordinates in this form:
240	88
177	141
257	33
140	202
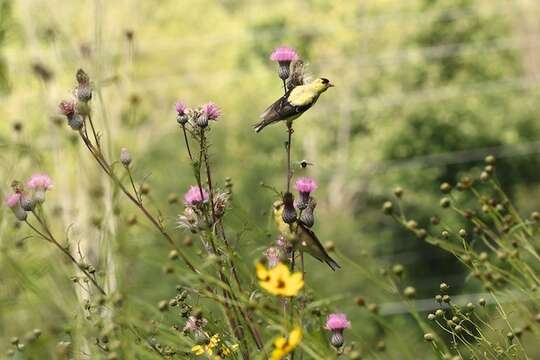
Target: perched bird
302	237
294	103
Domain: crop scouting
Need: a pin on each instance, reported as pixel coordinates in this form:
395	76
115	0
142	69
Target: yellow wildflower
279	280
206	349
283	345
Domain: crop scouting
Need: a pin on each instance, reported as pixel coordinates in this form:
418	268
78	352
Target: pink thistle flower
211	110
181	108
67	107
40	182
337	321
195	195
306	185
284	54
13	200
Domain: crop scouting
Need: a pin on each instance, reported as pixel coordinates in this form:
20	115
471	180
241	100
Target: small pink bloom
306	185
193	195
337	321
284	54
212	110
67	107
40	182
13	200
181	108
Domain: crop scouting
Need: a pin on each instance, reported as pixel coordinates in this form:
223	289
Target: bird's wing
315	248
280	110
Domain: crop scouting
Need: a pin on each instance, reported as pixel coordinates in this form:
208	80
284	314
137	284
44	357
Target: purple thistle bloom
193	196
337	321
306	185
284	54
40	182
211	110
181	107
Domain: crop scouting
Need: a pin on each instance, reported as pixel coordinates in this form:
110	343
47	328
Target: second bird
294	103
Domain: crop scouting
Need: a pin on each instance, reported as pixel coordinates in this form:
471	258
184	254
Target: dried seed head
398	192
429	337
445	202
388	208
125	157
409	292
444	286
445	188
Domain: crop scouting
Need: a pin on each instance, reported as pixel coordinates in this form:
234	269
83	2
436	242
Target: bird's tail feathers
332	263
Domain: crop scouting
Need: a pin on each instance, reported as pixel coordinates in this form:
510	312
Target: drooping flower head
337	321
212	110
195	195
40	182
306	185
13	200
67	107
181	107
284	54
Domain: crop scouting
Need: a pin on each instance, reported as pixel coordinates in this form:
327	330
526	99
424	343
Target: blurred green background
425	89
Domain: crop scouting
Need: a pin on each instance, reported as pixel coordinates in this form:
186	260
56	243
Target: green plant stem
49	237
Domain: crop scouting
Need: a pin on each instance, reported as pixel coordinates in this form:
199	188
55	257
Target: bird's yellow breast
304	94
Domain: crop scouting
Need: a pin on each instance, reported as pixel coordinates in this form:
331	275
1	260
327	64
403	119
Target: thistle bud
337	339
202	119
307	216
76	122
125	157
13	201
27	203
289	212
83	91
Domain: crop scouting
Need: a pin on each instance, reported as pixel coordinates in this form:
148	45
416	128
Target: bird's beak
331	85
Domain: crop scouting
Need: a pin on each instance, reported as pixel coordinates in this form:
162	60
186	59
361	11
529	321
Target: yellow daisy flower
279	280
284	345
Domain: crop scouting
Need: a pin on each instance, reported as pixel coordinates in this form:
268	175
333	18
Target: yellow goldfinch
302	237
294	103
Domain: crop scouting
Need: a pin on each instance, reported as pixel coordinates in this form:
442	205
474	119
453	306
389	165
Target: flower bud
182	119
289	212
202	119
125	157
307	216
337	339
75	121
27	203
